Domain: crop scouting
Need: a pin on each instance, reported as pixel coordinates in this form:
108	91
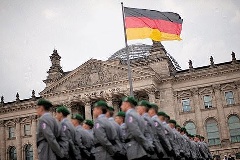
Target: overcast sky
84	29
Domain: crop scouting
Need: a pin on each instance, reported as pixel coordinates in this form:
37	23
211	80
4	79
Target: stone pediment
91	73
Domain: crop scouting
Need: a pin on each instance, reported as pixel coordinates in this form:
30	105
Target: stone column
2	142
34	136
151	95
18	138
88	109
223	129
198	113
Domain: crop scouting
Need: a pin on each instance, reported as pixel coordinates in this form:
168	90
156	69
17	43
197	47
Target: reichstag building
206	99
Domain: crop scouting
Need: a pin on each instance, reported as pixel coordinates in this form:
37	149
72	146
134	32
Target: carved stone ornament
216	87
194	91
95	74
1	123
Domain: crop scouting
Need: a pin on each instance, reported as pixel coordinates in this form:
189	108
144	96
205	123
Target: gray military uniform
151	135
69	130
172	139
104	139
48	131
136	143
84	141
162	137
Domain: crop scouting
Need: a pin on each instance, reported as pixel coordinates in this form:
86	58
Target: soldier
69	130
184	152
48	132
168	151
82	137
137	146
206	148
88	125
193	150
105	135
120	121
109	115
150	132
183	132
198	151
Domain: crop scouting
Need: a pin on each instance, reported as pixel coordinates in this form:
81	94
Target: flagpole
127	51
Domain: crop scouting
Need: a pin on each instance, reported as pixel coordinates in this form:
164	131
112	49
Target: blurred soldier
120	121
88	125
69	130
198	150
161	132
150	132
183	132
51	141
193	151
105	136
137	145
205	148
109	115
83	139
183	149
167	118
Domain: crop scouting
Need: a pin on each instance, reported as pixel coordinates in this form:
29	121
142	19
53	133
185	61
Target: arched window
234	128
191	128
28	152
12	153
212	132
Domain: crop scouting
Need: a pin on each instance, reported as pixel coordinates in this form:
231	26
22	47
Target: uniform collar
164	122
101	116
129	110
79	126
111	119
155	116
64	120
145	114
45	114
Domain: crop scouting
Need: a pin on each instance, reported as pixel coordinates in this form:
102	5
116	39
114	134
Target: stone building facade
206	100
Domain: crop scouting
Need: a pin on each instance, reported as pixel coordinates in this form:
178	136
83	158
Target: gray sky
84	29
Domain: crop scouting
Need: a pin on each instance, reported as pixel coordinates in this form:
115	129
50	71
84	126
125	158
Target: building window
191	128
11	132
12	153
186	105
27	129
234	128
229	97
212	132
207	101
28	152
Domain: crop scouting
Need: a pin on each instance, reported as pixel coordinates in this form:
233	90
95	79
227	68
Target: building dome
142	51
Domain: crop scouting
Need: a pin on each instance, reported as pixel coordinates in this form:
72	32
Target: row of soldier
138	132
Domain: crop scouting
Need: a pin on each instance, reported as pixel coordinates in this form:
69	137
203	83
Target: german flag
159	26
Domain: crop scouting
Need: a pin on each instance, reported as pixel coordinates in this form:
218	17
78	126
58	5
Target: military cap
63	110
121	114
89	122
131	100
183	130
100	104
45	103
178	126
172	121
110	108
154	106
198	136
78	117
144	103
167	116
161	114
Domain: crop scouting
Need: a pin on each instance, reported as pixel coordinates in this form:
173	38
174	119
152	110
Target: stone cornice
203	73
97	86
14	107
86	64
